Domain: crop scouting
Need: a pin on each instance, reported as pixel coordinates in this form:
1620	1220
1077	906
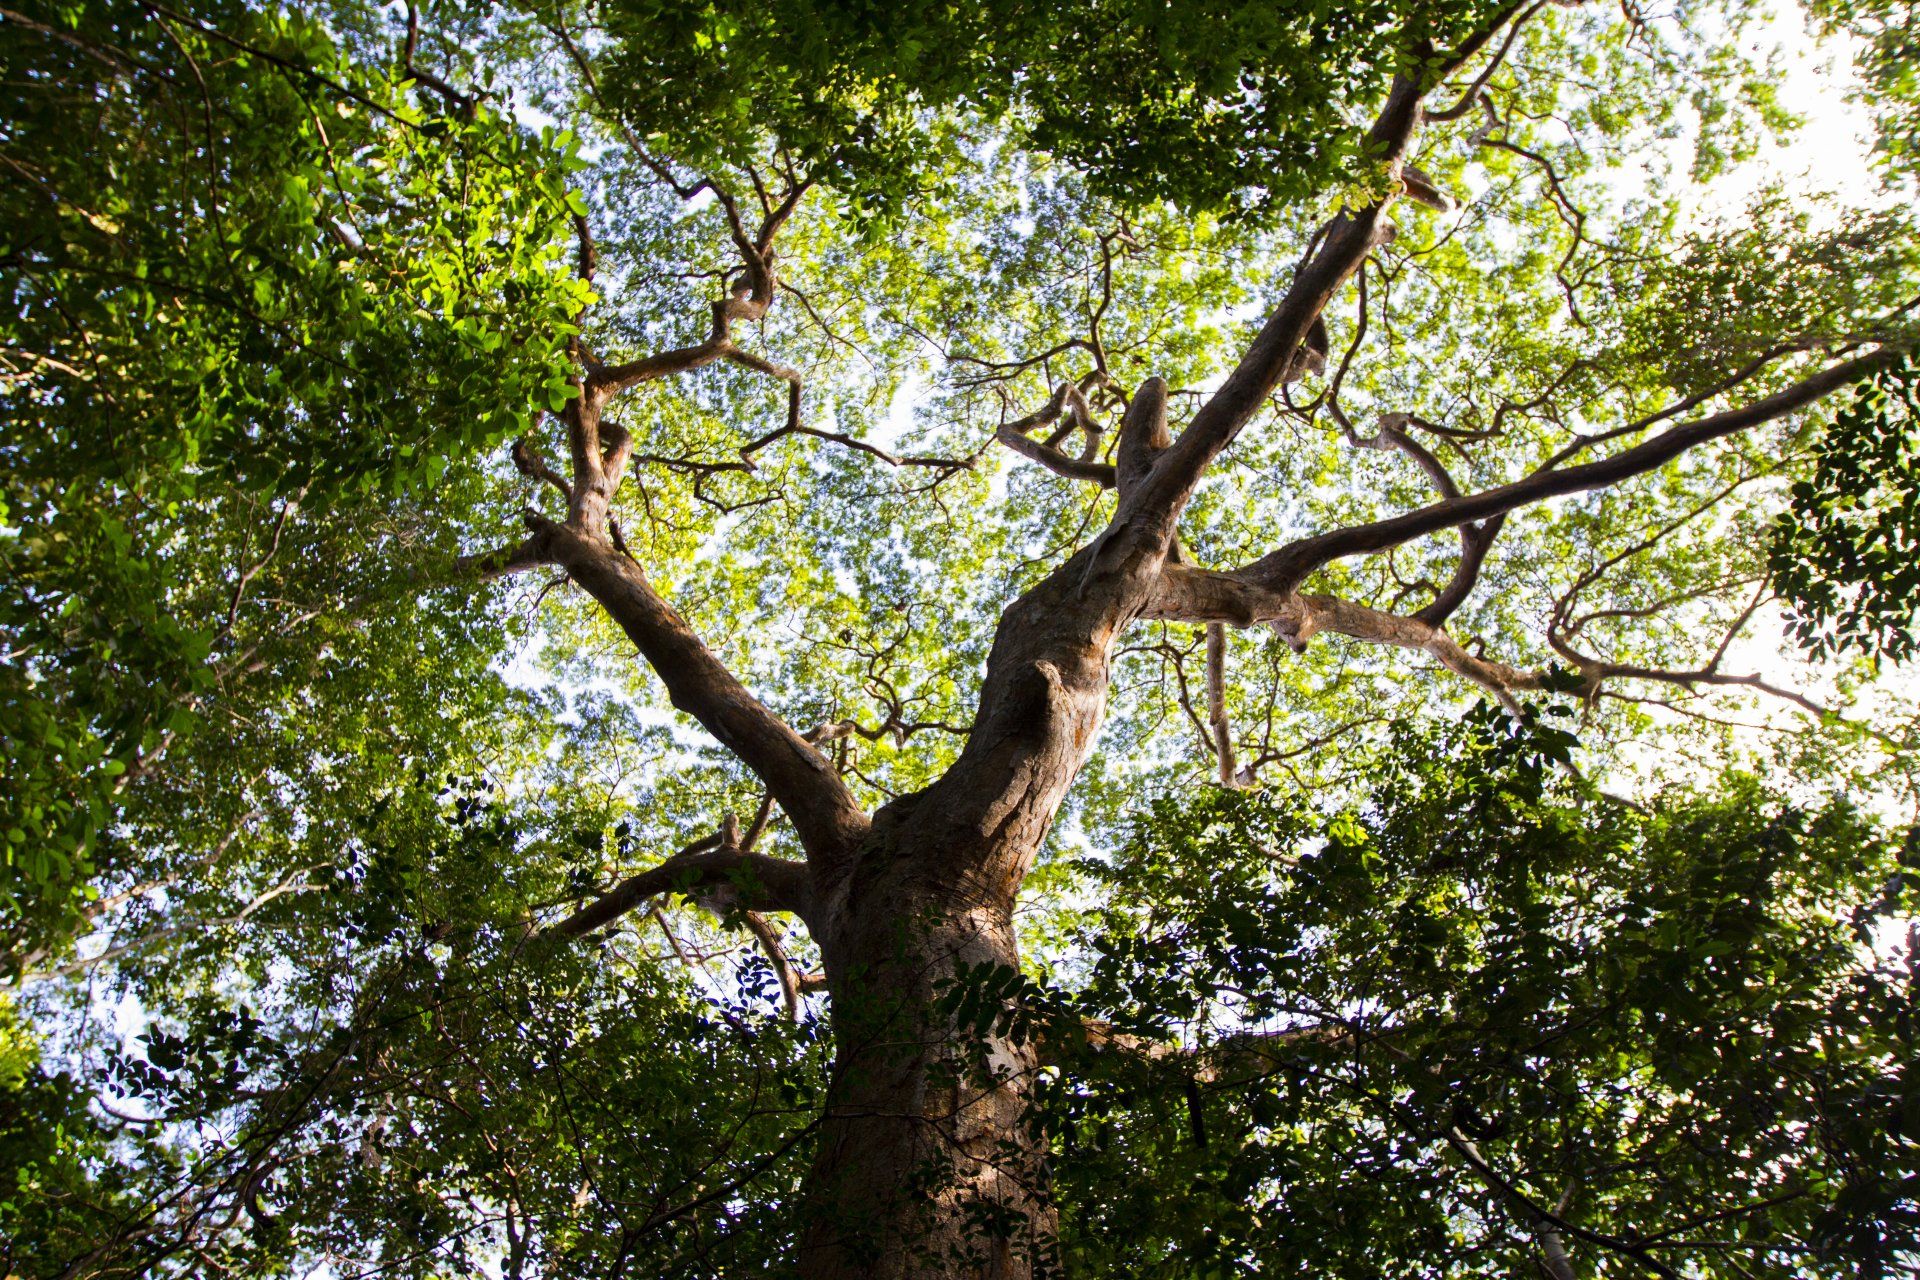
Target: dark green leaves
243	275
1243	109
1847	553
1642	1017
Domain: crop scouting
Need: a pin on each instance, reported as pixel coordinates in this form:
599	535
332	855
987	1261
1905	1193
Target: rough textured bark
927	1164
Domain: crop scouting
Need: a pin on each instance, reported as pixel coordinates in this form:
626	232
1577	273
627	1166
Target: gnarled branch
772	884
1284	569
1068	398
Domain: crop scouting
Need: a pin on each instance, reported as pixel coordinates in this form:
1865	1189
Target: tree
1200	386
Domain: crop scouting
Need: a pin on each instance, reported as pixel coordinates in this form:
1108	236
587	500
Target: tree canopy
642	638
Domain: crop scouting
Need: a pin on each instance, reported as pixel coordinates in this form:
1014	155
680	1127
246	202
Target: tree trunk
929	1163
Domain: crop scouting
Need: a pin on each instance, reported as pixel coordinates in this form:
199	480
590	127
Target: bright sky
1831	150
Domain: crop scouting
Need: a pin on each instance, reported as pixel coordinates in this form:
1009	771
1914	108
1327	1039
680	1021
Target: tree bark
931	1163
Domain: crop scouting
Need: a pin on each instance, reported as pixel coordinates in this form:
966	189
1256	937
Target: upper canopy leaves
1239	107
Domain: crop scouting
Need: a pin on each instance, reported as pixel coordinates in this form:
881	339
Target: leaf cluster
1478	1005
1847	551
1242	111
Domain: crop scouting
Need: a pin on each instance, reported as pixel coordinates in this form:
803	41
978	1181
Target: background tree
979	424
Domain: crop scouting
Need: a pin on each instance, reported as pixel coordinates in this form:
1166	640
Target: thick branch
1466	100
621	377
1187	594
1286	568
528	554
1475	540
1261	1049
461	104
616	448
824	812
770	883
1143	432
1052	459
1391	436
528	461
1198	595
1274	352
792	982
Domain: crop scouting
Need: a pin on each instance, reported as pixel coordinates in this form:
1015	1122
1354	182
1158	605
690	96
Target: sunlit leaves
1886	55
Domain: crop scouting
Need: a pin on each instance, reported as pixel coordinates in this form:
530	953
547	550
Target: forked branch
1071	401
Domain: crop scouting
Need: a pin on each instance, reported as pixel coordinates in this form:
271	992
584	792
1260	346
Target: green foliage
1245	110
56	1180
1847	554
272	314
1736	292
1411	1026
1887	36
267	277
439	1071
